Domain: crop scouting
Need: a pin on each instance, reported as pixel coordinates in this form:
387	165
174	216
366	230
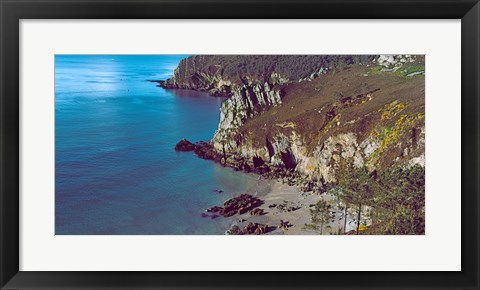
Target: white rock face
417	161
325	158
242	105
394	62
386	60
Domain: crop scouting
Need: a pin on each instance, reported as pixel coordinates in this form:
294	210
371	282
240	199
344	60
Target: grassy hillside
356	98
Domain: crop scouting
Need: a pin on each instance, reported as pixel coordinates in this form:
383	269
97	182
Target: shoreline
284	203
321	159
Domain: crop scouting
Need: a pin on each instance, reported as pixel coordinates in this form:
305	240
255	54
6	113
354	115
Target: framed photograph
237	144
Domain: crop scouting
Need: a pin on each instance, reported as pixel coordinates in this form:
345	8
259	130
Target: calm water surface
115	168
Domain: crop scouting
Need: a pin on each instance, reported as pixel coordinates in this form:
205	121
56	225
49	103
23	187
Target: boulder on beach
238	205
250	229
255	229
257	212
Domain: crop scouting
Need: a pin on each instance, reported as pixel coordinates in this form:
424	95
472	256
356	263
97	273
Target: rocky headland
297	119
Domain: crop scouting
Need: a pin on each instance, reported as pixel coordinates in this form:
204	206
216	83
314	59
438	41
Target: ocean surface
116	170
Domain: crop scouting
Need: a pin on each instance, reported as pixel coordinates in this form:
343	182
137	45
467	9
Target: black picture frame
12	11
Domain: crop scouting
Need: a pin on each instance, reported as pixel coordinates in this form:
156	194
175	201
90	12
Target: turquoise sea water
116	171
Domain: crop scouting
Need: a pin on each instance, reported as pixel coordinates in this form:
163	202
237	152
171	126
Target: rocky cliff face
245	103
247	95
370	113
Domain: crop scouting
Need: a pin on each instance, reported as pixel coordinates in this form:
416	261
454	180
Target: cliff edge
299	118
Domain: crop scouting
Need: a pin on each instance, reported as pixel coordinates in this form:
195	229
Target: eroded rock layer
299	117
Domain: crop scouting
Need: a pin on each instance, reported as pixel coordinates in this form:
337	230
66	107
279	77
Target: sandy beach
286	203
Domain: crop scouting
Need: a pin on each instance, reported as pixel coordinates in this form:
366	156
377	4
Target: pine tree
400	201
357	187
322	215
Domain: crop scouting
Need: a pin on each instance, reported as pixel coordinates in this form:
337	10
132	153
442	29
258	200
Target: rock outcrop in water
185	146
299	122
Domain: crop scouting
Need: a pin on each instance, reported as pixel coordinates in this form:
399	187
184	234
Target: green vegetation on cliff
194	70
286	109
386	107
